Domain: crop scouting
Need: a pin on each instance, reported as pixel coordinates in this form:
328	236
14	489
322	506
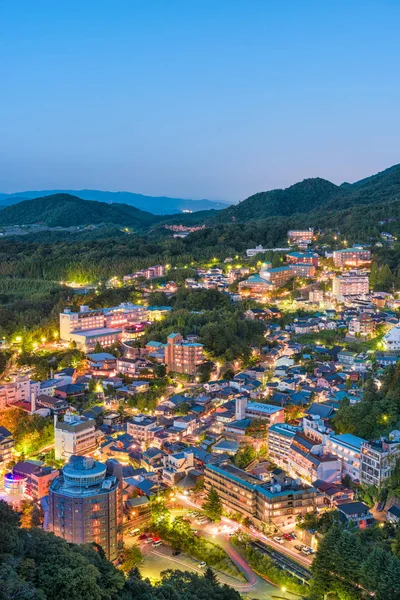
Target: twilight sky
210	99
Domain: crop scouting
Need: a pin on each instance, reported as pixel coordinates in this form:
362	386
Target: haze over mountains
317	199
158	205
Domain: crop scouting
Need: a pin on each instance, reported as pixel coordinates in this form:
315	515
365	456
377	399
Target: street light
283	589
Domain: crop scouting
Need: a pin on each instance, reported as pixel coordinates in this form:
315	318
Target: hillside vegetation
64	210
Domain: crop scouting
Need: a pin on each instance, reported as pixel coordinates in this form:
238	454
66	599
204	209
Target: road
156	560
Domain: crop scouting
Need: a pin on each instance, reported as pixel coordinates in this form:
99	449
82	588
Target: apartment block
280	437
378	459
308	459
20	390
350	284
303	270
182	356
74	435
176	467
303	258
363	325
257	410
351	257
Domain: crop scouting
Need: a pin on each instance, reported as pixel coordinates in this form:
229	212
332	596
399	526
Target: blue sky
196	98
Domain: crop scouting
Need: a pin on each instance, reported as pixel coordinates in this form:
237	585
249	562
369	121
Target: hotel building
182	356
350	284
351	257
279	500
74	435
85	506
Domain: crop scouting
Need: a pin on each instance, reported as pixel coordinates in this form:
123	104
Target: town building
300	237
254	251
279	500
355	514
303	258
309	460
352	283
280	437
104	325
7	444
176	467
85	506
378	459
364	326
22	389
142	429
37	477
351	257
391	339
257	410
182	356
347	448
74	435
302	270
316	296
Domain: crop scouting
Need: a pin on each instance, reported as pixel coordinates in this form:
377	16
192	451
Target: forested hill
314	197
64	210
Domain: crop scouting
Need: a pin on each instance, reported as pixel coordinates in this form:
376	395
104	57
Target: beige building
350	284
182	356
74	435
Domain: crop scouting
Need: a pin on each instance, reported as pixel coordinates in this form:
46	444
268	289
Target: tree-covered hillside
64	210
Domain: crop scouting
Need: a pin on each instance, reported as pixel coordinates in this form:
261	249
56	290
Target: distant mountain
65	210
157	205
314	197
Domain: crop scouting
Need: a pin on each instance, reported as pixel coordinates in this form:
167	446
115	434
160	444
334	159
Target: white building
280	437
257	410
142	429
103	325
74	435
347	447
20	390
176	466
392	339
378	459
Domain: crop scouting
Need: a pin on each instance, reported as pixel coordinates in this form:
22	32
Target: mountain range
309	202
158	205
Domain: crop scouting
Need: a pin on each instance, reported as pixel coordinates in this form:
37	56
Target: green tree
212	505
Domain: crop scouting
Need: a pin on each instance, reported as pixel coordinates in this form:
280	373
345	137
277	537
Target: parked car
142	536
157	543
176	553
299	547
149	540
134	532
288	536
278	540
203	564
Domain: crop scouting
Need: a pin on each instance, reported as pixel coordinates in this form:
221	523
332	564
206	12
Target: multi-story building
7	444
303	270
278	276
280	437
85	506
279	500
37	477
308	460
149	273
257	410
378	459
142	429
363	325
347	448
300	236
303	258
182	356
350	284
316	296
20	390
74	435
176	466
392	339
351	257
103	325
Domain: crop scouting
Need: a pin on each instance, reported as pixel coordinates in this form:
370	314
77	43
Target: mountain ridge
159	205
